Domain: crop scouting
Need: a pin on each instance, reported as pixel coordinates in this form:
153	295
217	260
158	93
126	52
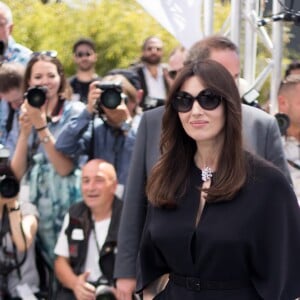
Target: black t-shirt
81	88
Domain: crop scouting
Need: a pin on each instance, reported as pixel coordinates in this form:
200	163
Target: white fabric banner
182	18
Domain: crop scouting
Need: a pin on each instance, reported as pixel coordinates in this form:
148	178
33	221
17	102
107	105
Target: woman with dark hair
221	222
50	178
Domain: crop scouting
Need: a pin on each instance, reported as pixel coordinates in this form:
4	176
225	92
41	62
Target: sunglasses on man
83	54
207	99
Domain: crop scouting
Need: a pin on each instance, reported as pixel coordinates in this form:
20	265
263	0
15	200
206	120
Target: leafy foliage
118	28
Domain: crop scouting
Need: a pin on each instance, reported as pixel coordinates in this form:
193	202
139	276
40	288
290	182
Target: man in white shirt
151	72
87	243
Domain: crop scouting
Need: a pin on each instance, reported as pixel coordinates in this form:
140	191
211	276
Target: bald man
89	233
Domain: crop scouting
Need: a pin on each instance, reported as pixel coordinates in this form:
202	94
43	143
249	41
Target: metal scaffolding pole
277	37
208	17
250	50
235	24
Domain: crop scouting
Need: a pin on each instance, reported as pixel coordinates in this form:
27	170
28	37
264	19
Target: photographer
19	223
111	134
51	180
86	245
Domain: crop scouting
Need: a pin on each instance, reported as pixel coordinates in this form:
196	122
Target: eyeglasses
154	48
183	101
82	54
50	53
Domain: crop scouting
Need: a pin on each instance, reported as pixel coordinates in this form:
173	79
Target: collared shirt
156	86
16	52
292	151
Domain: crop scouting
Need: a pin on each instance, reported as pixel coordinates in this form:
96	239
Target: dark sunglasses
173	73
154	48
82	54
208	100
50	53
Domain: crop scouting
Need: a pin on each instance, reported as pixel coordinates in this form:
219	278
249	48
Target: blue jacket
108	143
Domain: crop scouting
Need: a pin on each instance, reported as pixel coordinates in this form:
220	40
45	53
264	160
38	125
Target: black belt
196	284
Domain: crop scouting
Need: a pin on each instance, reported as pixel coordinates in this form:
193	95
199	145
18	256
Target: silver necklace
206	174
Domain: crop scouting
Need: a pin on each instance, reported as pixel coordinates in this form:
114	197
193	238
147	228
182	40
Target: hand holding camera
82	289
107	98
36	96
33	106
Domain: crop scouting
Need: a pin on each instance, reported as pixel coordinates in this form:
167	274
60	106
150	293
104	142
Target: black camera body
9	185
2	48
111	95
36	96
103	289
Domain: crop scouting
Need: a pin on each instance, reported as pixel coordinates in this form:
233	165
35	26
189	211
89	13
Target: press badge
77	234
25	292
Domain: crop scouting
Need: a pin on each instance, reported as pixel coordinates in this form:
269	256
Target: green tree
118	28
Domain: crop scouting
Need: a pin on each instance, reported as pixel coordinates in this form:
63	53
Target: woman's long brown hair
168	179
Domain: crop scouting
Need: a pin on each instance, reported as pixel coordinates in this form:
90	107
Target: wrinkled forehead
97	168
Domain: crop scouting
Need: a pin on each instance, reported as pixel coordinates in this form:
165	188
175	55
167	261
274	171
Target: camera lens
36	96
9	187
111	95
104	293
110	98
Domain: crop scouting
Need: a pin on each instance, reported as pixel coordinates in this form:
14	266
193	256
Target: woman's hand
25	123
37	116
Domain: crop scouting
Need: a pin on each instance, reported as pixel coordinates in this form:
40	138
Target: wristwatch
11	209
45	139
126	125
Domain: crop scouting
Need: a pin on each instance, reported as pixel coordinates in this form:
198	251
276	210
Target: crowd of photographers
51	129
66	147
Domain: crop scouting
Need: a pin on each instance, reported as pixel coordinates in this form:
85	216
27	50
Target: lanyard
95	237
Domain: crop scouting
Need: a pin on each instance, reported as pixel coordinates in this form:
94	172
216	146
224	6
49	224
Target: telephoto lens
111	95
36	96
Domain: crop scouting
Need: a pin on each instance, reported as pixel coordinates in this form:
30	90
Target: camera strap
91	148
5	229
95	237
293	164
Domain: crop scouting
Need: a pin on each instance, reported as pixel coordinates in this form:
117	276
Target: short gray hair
7	12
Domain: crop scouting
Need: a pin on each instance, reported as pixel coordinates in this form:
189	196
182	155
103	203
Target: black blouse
253	238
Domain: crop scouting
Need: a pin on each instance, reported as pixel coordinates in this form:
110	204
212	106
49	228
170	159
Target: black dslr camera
111	95
36	96
103	289
9	185
104	292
